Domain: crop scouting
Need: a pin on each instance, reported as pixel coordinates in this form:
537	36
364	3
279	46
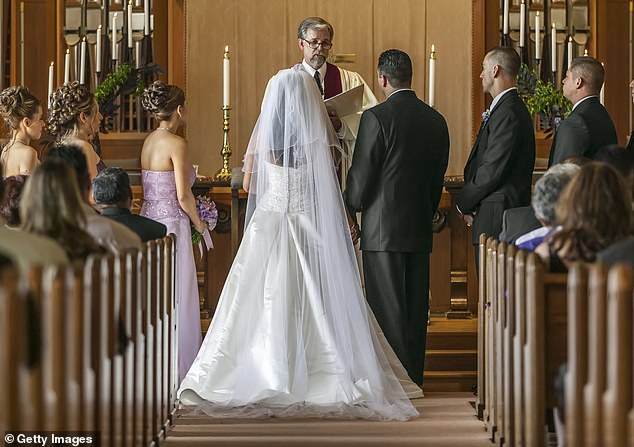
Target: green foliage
115	81
542	97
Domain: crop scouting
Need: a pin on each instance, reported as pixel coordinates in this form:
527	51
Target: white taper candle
432	77
226	73
538	37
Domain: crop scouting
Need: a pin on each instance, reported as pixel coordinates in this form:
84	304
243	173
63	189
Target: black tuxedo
621	252
630	144
498	173
586	130
396	180
146	228
517	222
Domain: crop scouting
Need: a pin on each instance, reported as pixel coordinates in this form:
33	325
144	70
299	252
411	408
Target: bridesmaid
168	176
22	113
74	118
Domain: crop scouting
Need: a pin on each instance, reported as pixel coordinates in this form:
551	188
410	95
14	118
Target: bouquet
208	213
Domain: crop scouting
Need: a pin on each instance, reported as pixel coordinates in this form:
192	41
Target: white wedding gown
292	334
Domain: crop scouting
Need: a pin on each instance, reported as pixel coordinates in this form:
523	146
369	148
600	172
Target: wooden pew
482	298
577	353
85	378
519	342
509	334
546	345
500	323
490	417
617	398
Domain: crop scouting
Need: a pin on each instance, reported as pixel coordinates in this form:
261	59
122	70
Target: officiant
315	39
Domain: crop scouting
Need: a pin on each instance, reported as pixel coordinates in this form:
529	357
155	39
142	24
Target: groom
395	181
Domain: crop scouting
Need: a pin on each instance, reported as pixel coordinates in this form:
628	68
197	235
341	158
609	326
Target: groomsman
588	127
395	181
498	173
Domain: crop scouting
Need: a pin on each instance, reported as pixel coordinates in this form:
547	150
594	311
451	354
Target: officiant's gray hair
316	23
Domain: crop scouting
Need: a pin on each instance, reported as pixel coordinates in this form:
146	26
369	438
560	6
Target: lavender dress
160	203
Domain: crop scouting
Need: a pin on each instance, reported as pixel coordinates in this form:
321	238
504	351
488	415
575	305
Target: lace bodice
160	199
285	189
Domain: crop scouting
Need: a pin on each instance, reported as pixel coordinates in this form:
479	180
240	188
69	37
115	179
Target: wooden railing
92	347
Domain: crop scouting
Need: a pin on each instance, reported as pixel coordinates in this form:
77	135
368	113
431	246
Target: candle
130	24
146	16
114	36
553	48
432	77
522	22
225	78
98	50
569	51
585	51
538	37
602	93
505	19
67	67
82	68
50	82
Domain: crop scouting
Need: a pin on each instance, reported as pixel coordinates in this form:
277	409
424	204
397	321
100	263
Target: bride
292	334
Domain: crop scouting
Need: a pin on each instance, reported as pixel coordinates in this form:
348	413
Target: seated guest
110	234
57	215
517	222
594	212
113	196
544	200
23	115
10	204
621	252
28	250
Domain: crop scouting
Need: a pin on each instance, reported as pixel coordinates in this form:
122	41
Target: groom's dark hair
396	66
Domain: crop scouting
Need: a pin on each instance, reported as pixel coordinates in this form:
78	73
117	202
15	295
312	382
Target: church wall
261	36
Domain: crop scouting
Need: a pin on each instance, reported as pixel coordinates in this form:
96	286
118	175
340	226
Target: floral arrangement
208	213
542	98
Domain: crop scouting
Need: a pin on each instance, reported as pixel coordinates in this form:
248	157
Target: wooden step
449	381
451	360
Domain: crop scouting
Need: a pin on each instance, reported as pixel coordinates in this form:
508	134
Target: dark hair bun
17	103
9	98
156	96
67	102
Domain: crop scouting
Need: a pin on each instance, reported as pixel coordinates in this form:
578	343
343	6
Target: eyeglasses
314	44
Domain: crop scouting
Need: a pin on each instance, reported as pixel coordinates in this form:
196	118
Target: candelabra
224	174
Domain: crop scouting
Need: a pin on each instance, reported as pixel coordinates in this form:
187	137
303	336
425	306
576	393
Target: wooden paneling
39	45
449	28
262	39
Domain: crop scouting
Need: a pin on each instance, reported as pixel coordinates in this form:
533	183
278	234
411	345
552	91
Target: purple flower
485	115
208	213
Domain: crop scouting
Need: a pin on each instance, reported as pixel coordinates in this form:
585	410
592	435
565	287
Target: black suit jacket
622	251
498	173
517	222
630	144
146	228
586	130
397	173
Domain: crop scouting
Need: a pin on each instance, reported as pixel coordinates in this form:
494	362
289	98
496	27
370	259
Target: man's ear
496	71
579	82
300	44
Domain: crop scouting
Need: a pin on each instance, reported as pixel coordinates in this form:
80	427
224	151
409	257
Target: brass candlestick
224	174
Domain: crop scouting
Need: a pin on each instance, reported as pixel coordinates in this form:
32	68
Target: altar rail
92	347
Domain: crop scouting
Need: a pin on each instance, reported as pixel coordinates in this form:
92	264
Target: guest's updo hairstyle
67	102
162	99
17	103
